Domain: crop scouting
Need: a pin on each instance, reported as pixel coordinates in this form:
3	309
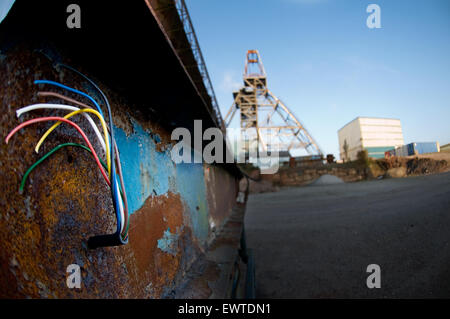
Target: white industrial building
376	135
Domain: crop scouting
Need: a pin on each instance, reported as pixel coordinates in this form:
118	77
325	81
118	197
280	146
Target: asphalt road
317	241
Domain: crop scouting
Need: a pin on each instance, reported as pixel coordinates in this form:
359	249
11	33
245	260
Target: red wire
55	118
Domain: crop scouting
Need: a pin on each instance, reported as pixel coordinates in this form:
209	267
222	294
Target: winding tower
266	123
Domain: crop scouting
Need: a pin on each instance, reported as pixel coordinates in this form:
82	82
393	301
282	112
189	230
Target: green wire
126	230
43	158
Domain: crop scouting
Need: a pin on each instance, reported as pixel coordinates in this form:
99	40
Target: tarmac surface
317	241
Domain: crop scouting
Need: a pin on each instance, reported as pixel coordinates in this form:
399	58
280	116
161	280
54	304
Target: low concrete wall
394	167
304	176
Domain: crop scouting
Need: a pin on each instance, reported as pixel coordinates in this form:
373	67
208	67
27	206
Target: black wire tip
105	241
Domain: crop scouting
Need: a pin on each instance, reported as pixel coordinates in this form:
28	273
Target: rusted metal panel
121	44
176	210
221	271
221	194
65	201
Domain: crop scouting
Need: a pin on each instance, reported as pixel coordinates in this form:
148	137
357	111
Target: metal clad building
376	135
415	149
445	148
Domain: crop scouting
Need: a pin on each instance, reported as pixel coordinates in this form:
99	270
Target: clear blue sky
328	67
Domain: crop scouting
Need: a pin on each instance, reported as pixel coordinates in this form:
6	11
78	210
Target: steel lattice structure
266	122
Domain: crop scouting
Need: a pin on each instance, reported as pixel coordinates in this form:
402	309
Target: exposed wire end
71	108
54	118
43	158
114	178
68	88
113	168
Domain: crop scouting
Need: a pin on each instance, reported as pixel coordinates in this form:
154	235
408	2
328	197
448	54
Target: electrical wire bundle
111	170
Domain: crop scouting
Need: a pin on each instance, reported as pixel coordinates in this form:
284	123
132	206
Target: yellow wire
108	155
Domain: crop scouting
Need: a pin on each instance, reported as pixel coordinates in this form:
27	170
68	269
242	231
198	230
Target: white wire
38	106
122	214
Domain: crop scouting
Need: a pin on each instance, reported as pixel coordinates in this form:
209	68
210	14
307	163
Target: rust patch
158	214
66	200
221	193
199	286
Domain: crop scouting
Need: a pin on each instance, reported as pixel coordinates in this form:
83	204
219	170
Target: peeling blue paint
190	184
169	243
148	172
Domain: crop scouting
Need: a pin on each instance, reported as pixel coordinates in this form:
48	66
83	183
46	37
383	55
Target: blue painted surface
169	242
146	171
423	147
416	148
190	184
150	172
378	152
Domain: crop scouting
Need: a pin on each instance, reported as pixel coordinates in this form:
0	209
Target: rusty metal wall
175	209
220	186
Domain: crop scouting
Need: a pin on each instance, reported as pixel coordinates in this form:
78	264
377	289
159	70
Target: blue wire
71	90
113	170
116	200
